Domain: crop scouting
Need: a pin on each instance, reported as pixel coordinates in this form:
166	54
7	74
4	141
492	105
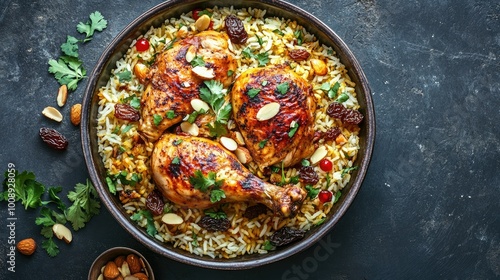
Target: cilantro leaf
263	143
267	245
216	214
213	95
320	222
111	185
26	189
124	76
336	197
348	170
293	129
279	32
217	195
247	52
135	102
283	87
96	23
253	92
230	73
261	42
157	119
126	128
53	191
176	160
204	12
67	71
216	129
202	183
170	114
45	218
312	192
342	98
70	48
197	61
262	58
305	162
150	228
299	37
51	247
332	92
85	205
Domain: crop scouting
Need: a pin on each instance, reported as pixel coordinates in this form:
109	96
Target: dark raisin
335	110
235	29
307	175
298	55
212	224
126	112
332	134
154	202
53	138
254	211
352	117
286	235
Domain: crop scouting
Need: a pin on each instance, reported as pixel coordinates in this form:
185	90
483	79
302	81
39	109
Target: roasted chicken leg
172	83
176	160
288	135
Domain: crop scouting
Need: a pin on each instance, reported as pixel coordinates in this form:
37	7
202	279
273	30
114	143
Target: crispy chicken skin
269	141
193	153
171	83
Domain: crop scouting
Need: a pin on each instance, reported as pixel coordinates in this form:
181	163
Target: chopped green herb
253	92
124	76
122	149
170	114
177	142
70	48
320	222
263	143
197	61
195	240
126	128
157	119
325	86
150	229
247	52
204	12
176	160
230	73
217	195
171	44
262	58
283	87
293	129
213	95
96	23
135	102
275	169
216	214
261	42
328	180
348	170
312	193
329	52
305	162
279	32
202	183
267	245
342	98
336	197
264	83
111	185
294	180
332	92
298	35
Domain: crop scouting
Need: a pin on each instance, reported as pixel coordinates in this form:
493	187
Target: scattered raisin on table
254	211
298	55
154	202
212	224
286	235
308	175
332	133
53	138
235	29
126	112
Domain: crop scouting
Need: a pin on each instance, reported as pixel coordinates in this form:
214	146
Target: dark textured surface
429	207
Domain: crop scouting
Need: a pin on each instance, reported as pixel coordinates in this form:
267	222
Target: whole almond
140	276
202	23
62	95
133	263
119	260
75	114
111	270
141	72
26	246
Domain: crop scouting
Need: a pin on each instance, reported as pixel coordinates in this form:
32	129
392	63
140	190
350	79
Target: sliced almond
203	72
172	219
239	138
52	113
319	67
190	128
243	155
62	232
268	111
202	23
319	154
62	95
228	143
141	71
124	269
191	53
199	105
131	277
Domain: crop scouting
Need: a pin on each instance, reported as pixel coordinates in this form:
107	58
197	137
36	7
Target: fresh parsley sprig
96	22
213	95
208	183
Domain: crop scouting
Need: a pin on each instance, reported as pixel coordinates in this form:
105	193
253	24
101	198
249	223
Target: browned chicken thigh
188	169
172	81
274	109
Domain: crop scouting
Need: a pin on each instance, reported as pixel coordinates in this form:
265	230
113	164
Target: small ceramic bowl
110	255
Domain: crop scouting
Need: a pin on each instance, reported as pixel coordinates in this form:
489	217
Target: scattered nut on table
26	246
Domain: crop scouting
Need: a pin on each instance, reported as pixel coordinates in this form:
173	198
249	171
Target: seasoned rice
121	151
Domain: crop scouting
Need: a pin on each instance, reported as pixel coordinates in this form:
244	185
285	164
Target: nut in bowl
120	263
221	164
